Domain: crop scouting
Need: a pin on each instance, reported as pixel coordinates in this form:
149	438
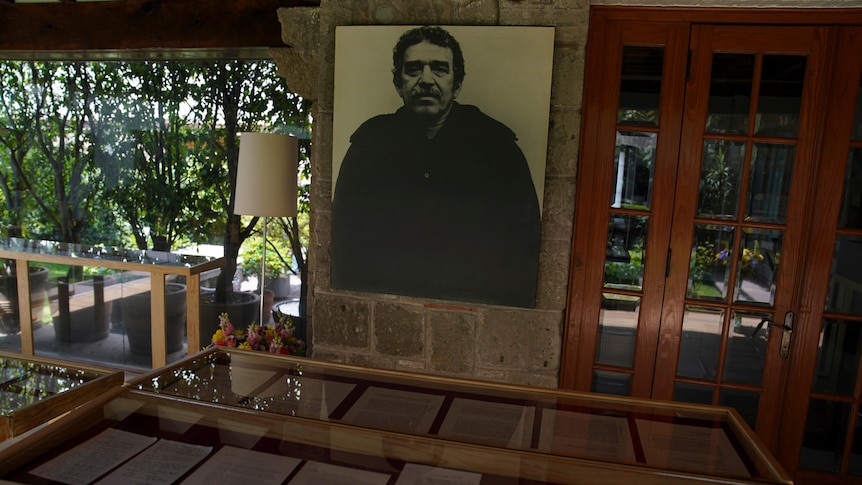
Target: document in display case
687	441
34	391
131	436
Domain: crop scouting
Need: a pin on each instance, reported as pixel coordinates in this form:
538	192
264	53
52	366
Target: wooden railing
158	264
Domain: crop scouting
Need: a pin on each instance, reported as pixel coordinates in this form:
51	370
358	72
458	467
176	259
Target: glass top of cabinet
96	253
33	391
669	436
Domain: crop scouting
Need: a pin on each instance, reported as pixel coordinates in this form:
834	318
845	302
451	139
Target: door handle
786	332
786	335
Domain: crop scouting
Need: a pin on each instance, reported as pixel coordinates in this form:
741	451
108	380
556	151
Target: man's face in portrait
428	80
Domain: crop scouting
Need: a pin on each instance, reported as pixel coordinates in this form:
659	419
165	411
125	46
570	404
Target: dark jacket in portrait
455	217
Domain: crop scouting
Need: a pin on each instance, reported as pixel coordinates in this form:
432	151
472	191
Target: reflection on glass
855	467
10	323
730	93
780	95
640	85
608	382
769	183
838	357
757	269
745	402
700	343
746	348
851	207
98	314
825	430
711	249
845	282
633	177
24	383
693	393
617	330
10	326
720	179
625	253
84	251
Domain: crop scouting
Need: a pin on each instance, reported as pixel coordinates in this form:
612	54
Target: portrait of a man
434	196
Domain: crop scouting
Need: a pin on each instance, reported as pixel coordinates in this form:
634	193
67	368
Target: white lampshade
266	175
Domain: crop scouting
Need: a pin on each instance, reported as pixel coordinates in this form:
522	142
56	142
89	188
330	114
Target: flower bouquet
276	339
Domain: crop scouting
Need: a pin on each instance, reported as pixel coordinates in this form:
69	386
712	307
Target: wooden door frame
595	108
833	153
599	97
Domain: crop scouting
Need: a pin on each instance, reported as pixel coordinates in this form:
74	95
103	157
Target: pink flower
254	336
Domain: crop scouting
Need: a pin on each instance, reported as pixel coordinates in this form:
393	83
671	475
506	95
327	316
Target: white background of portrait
508	78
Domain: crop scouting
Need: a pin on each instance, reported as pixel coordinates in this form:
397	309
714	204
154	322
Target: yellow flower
219	336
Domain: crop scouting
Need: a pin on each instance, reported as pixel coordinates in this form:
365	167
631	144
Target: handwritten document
163	463
586	435
391	408
231	465
94	457
317	473
320	397
414	474
314	398
491	422
688	447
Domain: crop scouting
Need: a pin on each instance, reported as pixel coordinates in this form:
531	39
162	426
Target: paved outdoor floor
108	349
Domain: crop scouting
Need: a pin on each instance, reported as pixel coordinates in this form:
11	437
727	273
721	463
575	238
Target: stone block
553	285
341	322
370	360
410	365
452	342
559	208
567	79
398	330
300	29
414	12
564	135
547	380
519	340
298	74
542	12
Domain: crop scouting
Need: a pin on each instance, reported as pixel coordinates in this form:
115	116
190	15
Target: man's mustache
426	92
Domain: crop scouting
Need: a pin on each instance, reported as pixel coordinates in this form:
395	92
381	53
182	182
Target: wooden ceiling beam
142	24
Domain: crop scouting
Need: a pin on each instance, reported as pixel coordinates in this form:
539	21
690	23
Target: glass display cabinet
124	307
264	418
34	391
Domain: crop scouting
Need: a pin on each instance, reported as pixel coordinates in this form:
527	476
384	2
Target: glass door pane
624	206
831	437
741	185
628	213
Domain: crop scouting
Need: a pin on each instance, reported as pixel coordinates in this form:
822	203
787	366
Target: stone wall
441	337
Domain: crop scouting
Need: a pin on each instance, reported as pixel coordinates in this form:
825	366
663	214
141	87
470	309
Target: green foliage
153	143
719	185
623	273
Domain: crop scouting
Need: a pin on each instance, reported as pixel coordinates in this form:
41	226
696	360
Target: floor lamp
266	183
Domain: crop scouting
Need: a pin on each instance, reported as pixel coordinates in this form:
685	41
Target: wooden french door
710	263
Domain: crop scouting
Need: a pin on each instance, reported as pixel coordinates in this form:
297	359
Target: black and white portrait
439	144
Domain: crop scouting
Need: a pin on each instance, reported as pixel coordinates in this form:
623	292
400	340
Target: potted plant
87	322
10	322
137	318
